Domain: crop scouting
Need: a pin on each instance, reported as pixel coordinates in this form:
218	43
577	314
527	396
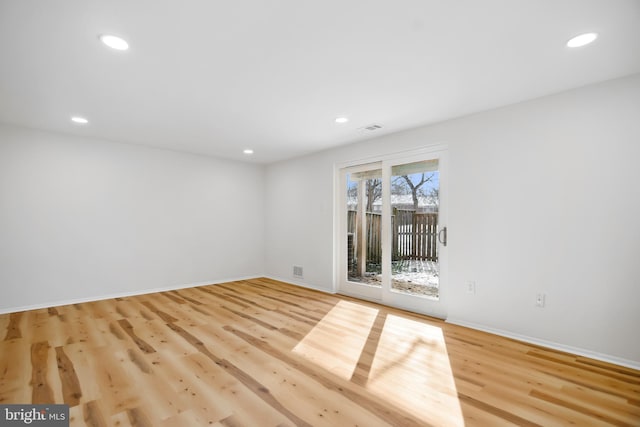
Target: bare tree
400	185
415	187
374	192
352	192
434	198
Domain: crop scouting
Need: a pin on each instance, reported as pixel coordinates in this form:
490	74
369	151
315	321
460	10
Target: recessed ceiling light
342	120
582	39
248	151
114	42
79	120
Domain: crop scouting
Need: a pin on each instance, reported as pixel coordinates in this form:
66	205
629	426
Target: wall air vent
297	271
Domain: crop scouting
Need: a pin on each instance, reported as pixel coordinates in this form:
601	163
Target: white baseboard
301	284
120	295
524	338
549	344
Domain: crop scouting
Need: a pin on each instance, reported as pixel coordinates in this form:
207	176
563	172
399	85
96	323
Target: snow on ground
411	277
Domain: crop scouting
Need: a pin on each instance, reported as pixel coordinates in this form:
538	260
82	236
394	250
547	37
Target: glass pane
415	189
364	213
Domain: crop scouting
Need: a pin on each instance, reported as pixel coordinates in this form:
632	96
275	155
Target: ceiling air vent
371	128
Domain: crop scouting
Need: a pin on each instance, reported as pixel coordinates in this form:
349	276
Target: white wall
544	197
83	219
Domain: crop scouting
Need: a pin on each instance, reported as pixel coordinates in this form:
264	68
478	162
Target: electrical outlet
540	300
470	286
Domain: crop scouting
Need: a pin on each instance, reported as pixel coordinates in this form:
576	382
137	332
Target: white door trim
385	161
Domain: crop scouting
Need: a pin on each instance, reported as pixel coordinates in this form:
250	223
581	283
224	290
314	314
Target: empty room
320	213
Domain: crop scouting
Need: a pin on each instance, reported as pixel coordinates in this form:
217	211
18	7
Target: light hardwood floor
265	353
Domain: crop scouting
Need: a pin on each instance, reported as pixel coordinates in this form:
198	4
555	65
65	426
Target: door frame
386	295
358	290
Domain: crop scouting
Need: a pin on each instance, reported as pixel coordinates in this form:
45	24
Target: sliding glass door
392	236
362	213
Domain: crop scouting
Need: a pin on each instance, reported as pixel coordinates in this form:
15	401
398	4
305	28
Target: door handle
442	233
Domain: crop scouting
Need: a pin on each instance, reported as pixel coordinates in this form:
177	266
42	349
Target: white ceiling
215	77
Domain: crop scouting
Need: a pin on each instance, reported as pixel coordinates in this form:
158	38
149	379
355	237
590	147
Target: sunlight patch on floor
401	360
334	346
412	356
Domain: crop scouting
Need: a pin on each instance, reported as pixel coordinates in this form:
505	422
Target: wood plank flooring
265	353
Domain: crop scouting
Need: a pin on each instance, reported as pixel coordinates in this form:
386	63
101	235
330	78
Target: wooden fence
414	235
